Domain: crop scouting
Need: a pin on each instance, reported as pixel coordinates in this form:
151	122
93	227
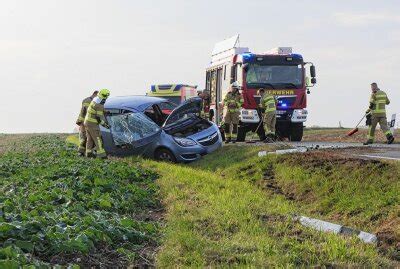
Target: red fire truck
278	71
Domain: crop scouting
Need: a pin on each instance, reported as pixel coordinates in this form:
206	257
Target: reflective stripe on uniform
379	101
268	102
91	115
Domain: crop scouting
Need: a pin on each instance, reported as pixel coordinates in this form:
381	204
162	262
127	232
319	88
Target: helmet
103	94
235	85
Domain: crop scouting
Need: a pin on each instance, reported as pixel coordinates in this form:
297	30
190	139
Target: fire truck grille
284	102
209	140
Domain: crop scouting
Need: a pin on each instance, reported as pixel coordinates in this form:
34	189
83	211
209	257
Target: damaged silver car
154	127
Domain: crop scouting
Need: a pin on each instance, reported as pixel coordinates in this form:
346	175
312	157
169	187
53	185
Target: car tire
241	135
164	155
296	132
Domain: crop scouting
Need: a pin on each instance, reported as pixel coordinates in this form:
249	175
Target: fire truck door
218	116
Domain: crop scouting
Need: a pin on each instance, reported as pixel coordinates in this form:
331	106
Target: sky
54	53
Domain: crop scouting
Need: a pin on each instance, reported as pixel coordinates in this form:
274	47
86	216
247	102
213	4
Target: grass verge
216	215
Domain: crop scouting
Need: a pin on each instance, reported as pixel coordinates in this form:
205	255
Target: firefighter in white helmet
233	101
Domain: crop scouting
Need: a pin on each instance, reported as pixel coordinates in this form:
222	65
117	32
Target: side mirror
312	71
246	67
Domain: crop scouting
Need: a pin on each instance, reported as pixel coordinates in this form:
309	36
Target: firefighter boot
90	155
390	138
368	142
269	138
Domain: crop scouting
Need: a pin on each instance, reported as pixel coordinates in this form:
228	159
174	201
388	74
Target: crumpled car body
141	125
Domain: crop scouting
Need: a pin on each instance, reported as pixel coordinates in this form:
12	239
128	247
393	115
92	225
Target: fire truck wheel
241	135
296	132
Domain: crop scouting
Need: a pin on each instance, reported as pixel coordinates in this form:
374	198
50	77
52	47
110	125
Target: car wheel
164	155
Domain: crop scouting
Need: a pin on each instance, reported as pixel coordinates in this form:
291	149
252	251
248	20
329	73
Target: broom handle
361	120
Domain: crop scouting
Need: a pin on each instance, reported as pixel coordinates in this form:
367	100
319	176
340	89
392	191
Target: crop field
56	208
230	209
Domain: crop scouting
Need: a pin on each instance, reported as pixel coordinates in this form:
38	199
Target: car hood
188	109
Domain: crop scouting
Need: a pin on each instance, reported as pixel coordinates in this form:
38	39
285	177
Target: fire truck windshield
274	76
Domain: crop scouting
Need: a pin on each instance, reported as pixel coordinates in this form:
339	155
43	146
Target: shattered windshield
131	127
274	76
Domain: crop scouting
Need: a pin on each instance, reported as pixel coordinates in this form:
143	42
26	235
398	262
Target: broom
252	136
355	130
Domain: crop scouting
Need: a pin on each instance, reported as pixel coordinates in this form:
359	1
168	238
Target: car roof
136	102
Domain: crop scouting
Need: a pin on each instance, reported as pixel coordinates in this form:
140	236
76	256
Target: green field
56	208
232	208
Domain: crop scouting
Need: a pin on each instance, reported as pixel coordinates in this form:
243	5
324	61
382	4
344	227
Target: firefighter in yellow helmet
268	108
80	120
233	101
94	118
377	109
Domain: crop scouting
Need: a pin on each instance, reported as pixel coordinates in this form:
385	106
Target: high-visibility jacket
268	103
233	102
82	113
95	113
378	102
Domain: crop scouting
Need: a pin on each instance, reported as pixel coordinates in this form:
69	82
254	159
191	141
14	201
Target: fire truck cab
279	72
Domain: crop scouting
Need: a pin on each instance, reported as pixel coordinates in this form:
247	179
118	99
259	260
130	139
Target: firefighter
377	109
80	120
206	113
268	108
94	118
233	101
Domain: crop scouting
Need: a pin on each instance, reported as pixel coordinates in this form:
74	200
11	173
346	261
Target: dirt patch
268	182
340	135
248	170
389	238
272	218
328	160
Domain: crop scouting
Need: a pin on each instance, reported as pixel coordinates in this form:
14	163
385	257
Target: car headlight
184	142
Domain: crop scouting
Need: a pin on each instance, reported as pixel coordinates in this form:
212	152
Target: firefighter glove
369	120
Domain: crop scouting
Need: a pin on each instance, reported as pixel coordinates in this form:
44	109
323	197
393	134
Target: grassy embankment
57	208
231	208
234	208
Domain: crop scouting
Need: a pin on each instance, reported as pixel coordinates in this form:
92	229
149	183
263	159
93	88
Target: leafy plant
57	208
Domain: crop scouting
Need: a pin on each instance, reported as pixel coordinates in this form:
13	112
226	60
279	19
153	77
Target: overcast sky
53	53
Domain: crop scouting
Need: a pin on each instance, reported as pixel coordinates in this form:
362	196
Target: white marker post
392	124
